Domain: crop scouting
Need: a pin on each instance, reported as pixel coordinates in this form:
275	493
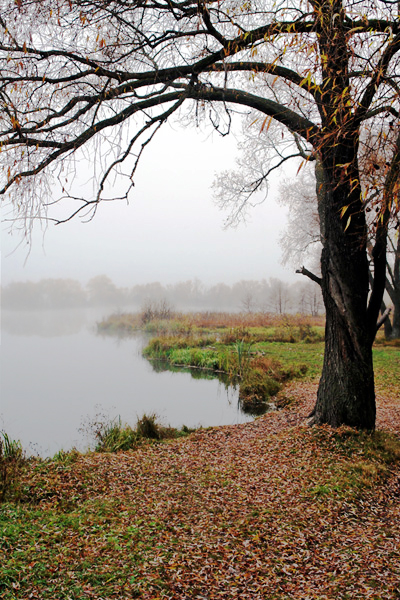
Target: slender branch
309	157
383	318
88	134
307	273
377	78
210	27
388	109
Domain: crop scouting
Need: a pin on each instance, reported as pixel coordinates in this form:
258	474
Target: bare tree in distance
301	239
248	303
307	299
279	296
73	72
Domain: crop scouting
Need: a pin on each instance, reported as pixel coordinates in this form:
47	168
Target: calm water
57	375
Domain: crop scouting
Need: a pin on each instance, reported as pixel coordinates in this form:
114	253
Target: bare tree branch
307	273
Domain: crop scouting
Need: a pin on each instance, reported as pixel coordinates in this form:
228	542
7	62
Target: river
58	376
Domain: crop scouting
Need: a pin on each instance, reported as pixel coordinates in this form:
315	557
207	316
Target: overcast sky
171	230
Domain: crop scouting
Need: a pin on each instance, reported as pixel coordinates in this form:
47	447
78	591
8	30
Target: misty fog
273	295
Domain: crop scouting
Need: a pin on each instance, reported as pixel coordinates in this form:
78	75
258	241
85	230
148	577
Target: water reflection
47	323
252	409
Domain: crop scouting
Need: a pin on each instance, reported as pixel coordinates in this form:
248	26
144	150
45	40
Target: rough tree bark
346	390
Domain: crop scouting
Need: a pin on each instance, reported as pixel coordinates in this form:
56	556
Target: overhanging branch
281	113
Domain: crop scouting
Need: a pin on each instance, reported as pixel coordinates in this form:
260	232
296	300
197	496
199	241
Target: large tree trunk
346	391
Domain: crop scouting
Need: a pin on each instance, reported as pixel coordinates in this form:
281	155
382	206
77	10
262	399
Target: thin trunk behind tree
393	289
392	285
387	325
395	335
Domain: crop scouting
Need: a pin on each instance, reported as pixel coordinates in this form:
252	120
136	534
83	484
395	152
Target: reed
11	460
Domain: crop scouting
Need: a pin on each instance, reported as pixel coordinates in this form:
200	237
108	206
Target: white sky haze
170	231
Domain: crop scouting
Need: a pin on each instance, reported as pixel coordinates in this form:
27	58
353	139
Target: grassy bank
250	365
259	353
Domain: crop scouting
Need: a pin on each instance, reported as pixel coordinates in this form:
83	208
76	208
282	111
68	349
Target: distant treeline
271	295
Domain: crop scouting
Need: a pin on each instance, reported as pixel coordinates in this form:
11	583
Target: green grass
259	360
44	551
9	448
302	358
296	355
11	462
387	367
368	458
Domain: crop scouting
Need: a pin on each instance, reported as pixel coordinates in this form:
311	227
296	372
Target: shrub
236	334
67	457
257	387
155	311
113	436
148	428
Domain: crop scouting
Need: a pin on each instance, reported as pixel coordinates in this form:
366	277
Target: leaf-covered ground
266	510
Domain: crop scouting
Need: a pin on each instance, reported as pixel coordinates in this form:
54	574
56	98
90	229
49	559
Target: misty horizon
273	295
